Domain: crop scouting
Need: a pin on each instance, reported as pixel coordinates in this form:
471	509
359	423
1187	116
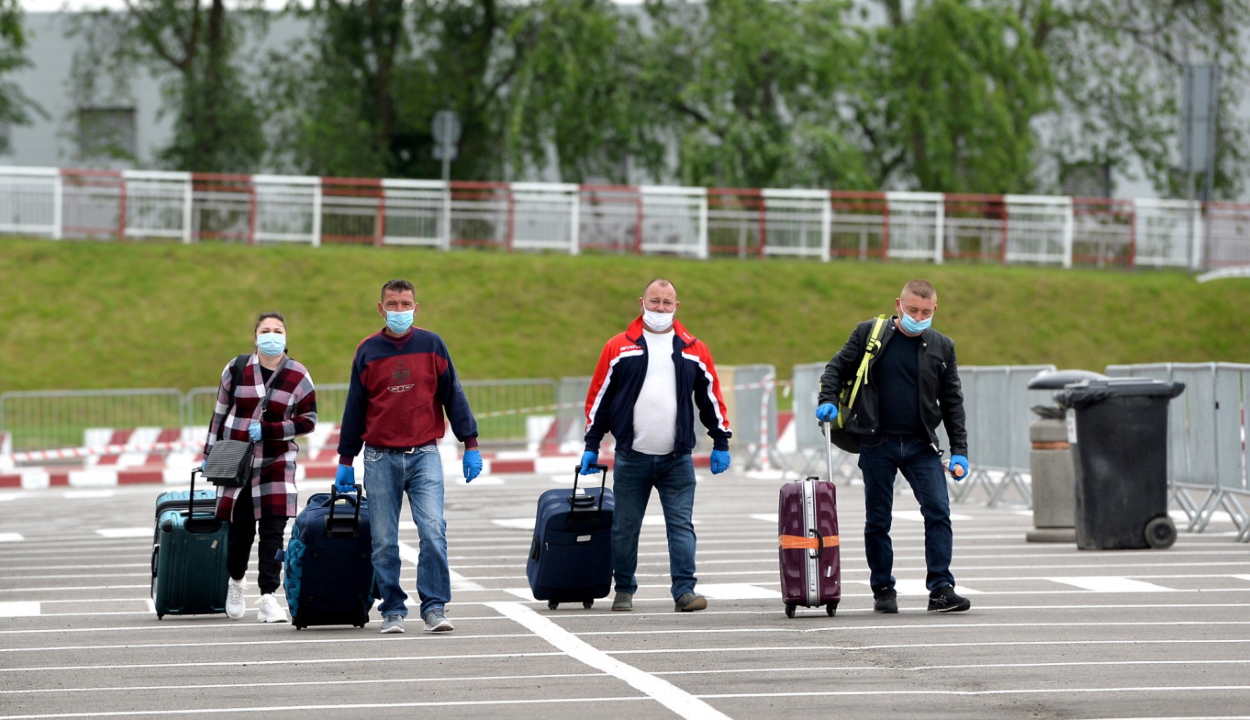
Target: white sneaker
269	611
235	606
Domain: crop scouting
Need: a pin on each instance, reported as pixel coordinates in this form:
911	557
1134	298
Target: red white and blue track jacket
618	379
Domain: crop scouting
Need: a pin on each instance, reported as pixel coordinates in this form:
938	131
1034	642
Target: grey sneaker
392	624
944	599
885	601
436	621
623	601
690	602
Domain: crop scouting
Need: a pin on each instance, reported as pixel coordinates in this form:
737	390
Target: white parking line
670	696
1111	584
131	532
18	609
458	581
11	537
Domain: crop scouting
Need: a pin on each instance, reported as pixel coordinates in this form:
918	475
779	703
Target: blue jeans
880	459
673	477
388	477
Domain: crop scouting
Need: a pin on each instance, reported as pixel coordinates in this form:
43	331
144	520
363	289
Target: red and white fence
684	221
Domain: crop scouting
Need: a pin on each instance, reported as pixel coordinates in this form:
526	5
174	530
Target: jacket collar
635	330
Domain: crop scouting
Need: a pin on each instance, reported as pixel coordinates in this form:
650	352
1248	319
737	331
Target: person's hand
345	479
472	464
203	465
958	467
827	412
720	461
253	431
589	459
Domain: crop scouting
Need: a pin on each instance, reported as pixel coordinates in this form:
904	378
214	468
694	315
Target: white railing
682	221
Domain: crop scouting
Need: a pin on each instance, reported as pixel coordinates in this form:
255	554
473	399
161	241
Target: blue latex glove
472	464
590	457
203	465
253	431
345	479
827	412
958	467
720	461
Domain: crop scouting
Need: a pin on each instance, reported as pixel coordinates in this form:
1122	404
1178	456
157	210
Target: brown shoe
690	602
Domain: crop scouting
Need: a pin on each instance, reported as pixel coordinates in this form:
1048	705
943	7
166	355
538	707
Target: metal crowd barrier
997	402
1207	452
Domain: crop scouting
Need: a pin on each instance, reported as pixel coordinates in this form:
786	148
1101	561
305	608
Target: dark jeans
880	459
672	476
243	530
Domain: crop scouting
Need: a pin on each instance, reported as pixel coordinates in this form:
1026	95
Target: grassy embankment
78	315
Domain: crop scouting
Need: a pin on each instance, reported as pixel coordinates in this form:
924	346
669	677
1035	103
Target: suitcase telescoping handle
343	526
584	499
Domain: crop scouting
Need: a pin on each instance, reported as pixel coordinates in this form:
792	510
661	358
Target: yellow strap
874	344
798	542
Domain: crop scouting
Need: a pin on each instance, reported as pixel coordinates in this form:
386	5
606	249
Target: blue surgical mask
912	327
399	322
271	344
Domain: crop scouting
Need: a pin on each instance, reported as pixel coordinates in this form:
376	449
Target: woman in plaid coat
271	498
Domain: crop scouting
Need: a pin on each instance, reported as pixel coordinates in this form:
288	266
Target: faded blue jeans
672	476
419	475
880	459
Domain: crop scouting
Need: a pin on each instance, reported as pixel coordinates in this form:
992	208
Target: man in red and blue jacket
644	391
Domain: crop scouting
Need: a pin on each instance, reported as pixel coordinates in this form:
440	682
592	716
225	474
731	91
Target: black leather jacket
941	396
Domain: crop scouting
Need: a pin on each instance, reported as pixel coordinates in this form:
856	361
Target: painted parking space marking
458	582
670	696
11	537
87	494
19	609
1111	584
737	591
131	532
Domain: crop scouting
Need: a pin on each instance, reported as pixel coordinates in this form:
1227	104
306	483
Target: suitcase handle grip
820	543
603	483
343	526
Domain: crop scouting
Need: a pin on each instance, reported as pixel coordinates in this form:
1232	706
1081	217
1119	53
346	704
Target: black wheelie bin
1118	432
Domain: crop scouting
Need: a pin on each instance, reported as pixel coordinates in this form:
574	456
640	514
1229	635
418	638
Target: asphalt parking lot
1053	632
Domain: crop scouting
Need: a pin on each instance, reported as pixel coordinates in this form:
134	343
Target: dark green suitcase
189	554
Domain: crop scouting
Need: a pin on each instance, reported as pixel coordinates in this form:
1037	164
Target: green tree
1118	71
951	91
15	107
192	49
752	90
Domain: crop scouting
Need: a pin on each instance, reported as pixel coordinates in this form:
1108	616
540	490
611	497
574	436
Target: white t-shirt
655	410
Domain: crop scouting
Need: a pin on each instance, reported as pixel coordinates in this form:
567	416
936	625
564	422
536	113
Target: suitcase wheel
588	604
790	610
552	604
831	608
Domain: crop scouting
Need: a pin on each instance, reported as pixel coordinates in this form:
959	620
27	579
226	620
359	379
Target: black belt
402	450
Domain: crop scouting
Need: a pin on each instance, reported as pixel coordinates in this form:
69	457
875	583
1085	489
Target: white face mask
657	321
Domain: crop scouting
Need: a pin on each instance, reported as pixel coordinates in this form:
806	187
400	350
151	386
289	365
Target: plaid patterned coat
292	412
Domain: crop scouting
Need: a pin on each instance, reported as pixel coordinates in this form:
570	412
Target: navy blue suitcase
329	565
571	554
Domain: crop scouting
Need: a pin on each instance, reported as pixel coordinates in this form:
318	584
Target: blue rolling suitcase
571	554
328	562
189	554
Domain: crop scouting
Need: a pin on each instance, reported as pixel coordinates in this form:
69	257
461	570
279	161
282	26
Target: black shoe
945	600
885	601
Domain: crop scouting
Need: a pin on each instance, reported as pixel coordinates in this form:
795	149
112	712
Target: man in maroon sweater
402	382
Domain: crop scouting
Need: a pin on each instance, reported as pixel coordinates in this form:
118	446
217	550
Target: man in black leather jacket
911	386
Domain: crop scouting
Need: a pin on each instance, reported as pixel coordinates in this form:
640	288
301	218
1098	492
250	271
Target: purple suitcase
810	557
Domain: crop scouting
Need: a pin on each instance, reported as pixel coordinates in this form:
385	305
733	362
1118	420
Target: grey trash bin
1053	482
1118	430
